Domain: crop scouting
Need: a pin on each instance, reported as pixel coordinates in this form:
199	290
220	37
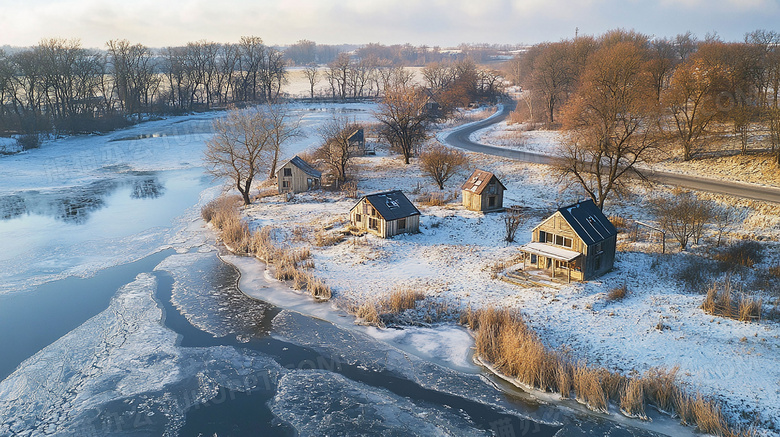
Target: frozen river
118	317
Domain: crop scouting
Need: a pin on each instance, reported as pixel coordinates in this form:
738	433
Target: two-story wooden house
385	214
577	242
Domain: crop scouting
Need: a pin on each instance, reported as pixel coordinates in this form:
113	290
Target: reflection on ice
147	188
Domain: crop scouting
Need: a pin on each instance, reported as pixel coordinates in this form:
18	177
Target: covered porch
557	262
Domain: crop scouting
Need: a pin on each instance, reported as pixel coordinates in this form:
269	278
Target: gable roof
357	136
391	205
305	166
587	220
478	181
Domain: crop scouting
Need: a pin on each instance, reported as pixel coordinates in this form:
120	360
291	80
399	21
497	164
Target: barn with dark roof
385	214
297	175
577	242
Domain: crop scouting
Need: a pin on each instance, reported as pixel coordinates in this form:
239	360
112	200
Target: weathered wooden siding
298	182
556	225
384	229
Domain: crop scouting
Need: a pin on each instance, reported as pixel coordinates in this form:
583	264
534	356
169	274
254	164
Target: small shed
297	175
385	214
482	191
576	242
357	144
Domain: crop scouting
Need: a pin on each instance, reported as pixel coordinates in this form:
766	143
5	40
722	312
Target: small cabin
357	144
482	191
297	176
385	214
577	242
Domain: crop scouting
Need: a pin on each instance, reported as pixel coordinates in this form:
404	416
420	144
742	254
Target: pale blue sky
434	22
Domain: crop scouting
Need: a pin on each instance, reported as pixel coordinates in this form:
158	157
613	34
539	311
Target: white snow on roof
550	251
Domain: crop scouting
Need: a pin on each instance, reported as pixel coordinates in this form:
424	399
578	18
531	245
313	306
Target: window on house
285	184
567	242
491	189
492	201
358	218
287	172
402	224
559	240
597	263
373	223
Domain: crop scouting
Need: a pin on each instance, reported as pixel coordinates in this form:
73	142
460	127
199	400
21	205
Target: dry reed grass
721	300
504	340
588	388
632	400
224	214
661	387
617	293
325	238
438	198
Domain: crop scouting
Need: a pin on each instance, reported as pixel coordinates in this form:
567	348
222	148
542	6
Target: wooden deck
532	277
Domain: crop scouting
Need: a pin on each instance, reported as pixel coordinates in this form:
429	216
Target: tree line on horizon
58	86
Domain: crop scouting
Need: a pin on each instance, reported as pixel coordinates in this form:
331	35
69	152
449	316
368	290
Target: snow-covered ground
453	256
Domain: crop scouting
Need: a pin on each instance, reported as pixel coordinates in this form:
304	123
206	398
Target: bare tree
611	122
239	149
312	75
683	215
691	100
336	151
724	217
404	119
512	219
279	125
441	163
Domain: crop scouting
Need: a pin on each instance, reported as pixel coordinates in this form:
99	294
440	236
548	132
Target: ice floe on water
322	403
205	292
122	371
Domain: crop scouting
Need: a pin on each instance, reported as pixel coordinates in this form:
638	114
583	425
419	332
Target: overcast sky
444	23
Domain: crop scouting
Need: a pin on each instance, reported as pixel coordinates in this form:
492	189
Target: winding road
460	138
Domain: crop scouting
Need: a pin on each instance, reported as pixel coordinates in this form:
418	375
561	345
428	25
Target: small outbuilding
297	176
357	144
385	214
577	242
482	191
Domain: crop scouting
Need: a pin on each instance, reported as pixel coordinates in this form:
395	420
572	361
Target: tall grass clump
223	213
632	400
617	293
721	300
379	312
660	387
588	388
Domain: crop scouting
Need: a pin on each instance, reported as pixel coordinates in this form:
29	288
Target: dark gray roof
391	205
303	165
587	220
356	136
